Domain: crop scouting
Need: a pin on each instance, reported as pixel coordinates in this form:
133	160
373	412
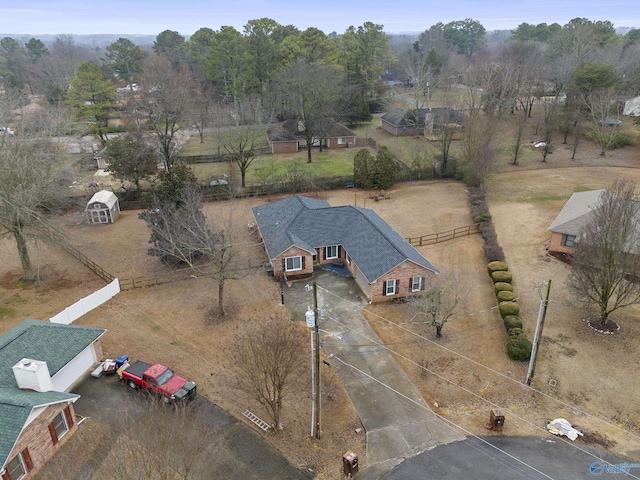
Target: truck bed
137	368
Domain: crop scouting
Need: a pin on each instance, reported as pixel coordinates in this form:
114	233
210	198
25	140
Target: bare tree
167	99
606	264
269	355
182	235
549	125
240	142
601	104
518	136
443	298
33	184
478	147
151	440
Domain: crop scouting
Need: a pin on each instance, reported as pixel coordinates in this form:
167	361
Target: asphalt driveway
230	450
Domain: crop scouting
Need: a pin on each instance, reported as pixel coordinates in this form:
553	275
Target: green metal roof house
39	363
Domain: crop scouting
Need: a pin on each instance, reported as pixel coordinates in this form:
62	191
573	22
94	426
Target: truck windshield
165	376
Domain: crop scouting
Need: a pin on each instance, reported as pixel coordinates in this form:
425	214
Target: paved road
398	422
535	459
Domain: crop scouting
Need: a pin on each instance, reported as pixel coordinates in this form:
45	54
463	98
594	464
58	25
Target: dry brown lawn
463	375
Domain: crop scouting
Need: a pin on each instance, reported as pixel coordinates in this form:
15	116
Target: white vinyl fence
88	303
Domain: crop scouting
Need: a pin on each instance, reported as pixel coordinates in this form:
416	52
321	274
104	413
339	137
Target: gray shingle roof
309	223
53	343
289	130
576	212
409	118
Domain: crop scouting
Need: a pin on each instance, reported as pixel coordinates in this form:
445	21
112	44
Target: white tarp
632	107
560	426
86	304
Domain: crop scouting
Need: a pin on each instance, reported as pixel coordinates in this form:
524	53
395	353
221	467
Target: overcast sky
151	17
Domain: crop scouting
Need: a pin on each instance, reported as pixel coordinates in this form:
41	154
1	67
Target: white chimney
33	375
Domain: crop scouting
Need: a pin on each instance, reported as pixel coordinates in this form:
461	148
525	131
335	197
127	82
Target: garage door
72	372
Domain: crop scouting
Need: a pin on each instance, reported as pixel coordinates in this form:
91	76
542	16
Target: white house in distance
103	207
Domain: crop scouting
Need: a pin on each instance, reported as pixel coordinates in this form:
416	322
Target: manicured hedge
497	267
505	296
508	308
519	347
502	287
501	276
514	332
511	322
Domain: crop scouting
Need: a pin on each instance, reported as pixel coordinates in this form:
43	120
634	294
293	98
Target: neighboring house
288	136
219	179
574	215
103	207
398	122
39	363
300	232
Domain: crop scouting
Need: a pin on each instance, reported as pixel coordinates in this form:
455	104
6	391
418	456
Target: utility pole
312	322
317	359
542	313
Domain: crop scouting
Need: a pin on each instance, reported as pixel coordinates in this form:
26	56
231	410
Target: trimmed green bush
502	287
505	296
514	332
519	348
501	276
497	267
512	321
508	308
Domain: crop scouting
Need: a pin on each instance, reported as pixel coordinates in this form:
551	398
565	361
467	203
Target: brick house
300	232
39	363
574	215
288	136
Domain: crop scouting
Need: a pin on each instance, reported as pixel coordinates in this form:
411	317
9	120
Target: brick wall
403	274
284	147
37	439
556	244
307	263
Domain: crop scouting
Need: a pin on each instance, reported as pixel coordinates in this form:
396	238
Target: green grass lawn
328	164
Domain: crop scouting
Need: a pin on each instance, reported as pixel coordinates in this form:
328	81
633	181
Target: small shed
103	207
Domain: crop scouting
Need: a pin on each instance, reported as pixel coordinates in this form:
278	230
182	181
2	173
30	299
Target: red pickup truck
158	379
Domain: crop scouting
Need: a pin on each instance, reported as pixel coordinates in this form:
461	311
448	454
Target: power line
500	374
495	405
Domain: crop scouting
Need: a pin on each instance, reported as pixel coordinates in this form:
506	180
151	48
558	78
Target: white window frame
292	268
21	464
415	288
332	252
342	140
390	283
63	424
348	259
568	240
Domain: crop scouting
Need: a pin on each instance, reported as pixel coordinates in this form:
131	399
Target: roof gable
576	212
104	196
50	342
371	242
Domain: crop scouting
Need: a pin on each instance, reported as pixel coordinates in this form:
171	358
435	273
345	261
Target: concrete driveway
398	422
232	450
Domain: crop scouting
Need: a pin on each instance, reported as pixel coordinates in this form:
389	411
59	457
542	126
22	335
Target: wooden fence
432	238
78	255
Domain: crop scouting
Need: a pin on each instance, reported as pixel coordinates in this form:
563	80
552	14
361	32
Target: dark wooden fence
432	238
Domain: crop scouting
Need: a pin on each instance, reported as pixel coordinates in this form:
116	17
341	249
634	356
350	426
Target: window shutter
324	253
26	458
68	416
423	282
302	261
339	251
384	288
284	265
52	432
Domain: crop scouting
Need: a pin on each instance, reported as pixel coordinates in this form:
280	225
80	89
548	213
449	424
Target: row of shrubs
481	215
518	346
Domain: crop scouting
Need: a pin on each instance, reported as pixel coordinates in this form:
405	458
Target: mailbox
496	420
350	463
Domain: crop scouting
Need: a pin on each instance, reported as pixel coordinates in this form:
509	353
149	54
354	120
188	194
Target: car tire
132	385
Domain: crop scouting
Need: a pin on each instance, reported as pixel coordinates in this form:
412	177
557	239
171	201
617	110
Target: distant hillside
90	41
